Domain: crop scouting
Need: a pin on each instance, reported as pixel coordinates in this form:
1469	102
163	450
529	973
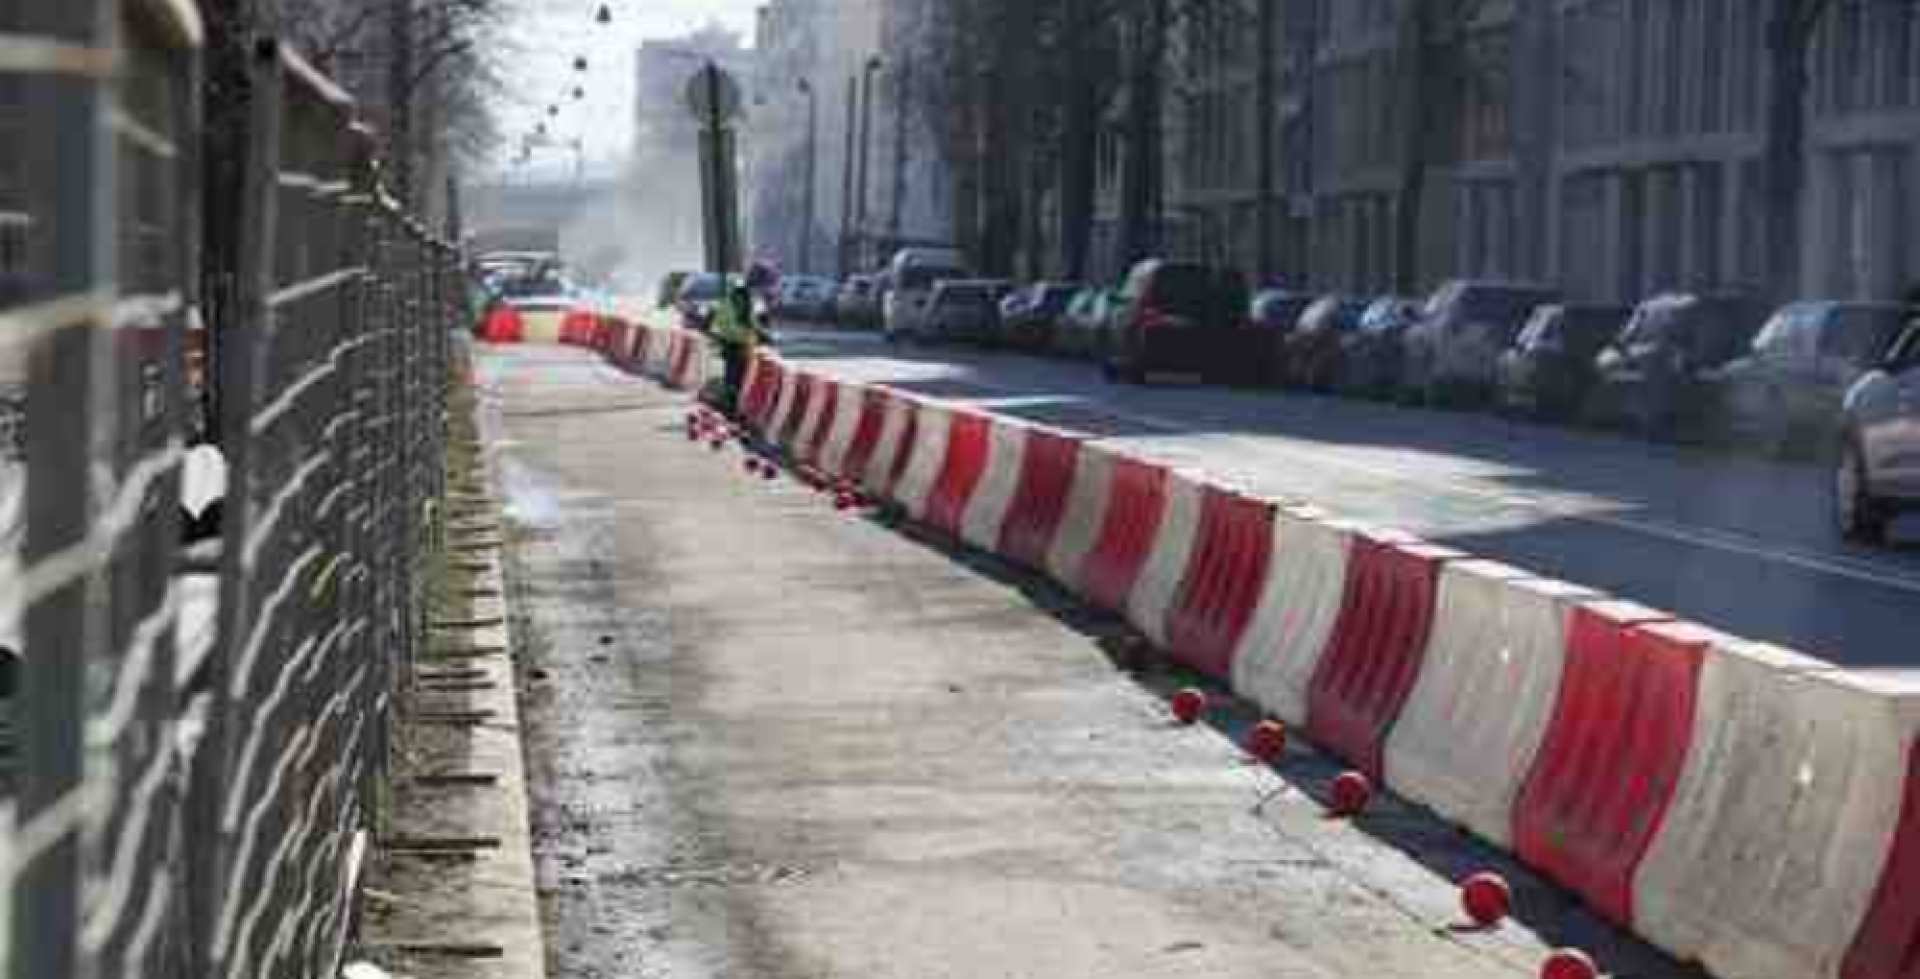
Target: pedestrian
735	332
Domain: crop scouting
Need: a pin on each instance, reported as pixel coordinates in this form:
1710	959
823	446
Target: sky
542	38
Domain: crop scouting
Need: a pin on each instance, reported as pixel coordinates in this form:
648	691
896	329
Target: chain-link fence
190	761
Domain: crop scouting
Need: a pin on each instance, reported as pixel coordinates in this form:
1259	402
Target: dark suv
1176	318
1547	373
1650	376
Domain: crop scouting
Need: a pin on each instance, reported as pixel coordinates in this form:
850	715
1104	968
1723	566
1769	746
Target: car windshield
548	285
921	277
1861	335
963	295
1181	289
703	289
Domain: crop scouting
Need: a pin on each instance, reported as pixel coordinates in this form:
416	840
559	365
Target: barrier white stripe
783	405
1475	717
929	457
61	818
1786	810
986	511
893	431
810	419
1159	582
1288	634
846	424
1085	513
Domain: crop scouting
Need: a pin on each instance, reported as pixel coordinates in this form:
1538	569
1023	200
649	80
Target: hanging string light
605	16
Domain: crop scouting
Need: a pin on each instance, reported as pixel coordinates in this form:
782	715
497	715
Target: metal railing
191	768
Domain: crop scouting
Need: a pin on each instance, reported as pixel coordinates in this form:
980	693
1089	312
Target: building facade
1612	146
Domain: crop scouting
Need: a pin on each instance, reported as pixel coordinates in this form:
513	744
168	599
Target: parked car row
1840	378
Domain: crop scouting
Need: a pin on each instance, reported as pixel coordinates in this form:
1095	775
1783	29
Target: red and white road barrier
1739	805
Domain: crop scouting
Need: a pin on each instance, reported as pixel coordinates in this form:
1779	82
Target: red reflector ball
1189	705
1487	899
1267	741
1569	963
1352	791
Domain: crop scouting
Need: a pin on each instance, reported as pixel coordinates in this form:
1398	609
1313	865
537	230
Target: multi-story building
1614	146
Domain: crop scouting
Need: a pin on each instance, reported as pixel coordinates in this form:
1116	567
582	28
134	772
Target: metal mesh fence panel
189	766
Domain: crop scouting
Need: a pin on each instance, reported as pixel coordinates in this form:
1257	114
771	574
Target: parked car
1175	318
1451	354
1877	469
1371	353
1312	352
963	310
1271	317
808	298
1081	330
911	278
1029	316
1788	390
857	304
1549	370
1650	376
698	297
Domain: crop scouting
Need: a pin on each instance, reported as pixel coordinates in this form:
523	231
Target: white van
911	277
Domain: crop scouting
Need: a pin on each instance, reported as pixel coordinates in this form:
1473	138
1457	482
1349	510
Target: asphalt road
1743	545
768	739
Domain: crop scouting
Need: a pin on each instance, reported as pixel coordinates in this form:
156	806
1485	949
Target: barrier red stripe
576	328
1379	643
966	461
1222	582
642	337
1136	501
683	361
1888	943
1606	771
831	394
802	398
866	436
902	456
1046	478
503	324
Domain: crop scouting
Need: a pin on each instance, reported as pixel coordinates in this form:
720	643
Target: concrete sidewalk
767	739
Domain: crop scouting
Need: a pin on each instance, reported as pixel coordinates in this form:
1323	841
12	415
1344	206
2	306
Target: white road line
1733	543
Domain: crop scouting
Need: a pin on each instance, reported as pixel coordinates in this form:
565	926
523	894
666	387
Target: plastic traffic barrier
814	430
925	459
869	420
1772	850
1379	645
1607	770
849	405
1159	581
969	445
1136	501
503	324
898	429
986	513
1299	604
1475	717
801	408
1888	943
1039	505
1083	518
577	327
758	392
1222	582
637	354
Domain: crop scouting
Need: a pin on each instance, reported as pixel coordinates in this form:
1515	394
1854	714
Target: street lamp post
871	68
813	162
846	177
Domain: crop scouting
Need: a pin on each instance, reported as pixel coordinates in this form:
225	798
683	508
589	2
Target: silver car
1877	472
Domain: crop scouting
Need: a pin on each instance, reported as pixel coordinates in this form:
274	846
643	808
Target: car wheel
1861	518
